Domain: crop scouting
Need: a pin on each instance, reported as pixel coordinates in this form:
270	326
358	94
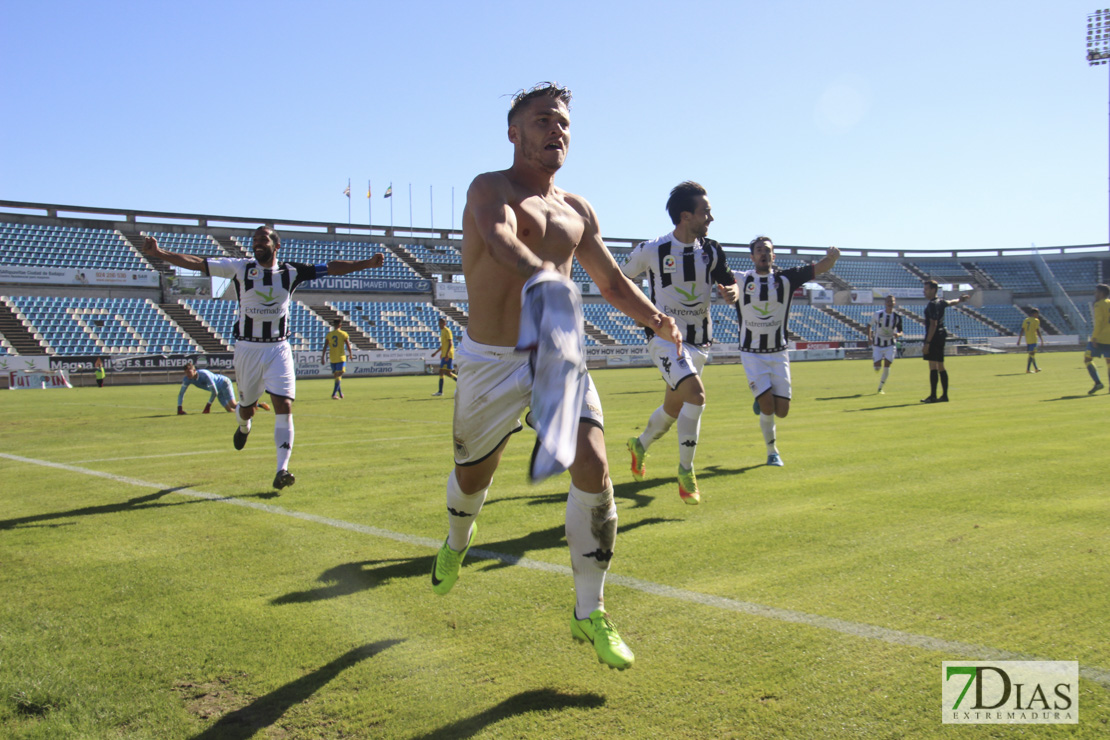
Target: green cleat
638	455
445	567
688	486
599	630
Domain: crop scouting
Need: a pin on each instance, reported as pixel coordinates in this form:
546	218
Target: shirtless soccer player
516	224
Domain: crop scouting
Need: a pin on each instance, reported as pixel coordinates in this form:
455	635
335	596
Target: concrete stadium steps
191	325
406	256
358	337
11	326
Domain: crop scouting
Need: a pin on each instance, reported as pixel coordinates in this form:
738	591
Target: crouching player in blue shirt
218	385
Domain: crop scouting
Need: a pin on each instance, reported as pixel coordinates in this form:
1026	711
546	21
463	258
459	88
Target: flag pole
431	207
410	209
369	205
348	205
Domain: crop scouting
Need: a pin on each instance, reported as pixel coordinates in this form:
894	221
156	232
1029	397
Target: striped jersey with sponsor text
264	294
884	327
681	278
764	306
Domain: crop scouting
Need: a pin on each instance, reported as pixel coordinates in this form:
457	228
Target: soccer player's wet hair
1104	289
752	244
682	199
934	283
542	90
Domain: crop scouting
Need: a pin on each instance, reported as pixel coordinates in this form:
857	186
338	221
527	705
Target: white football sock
462	510
658	425
689	426
884	376
244	424
767	426
283	439
591	535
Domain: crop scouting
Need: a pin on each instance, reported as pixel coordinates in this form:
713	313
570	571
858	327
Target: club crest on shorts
460	448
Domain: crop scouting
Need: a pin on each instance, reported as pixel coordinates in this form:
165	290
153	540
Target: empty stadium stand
875	274
1008	315
1020	277
93	326
65	317
317	251
398	325
67	246
612	323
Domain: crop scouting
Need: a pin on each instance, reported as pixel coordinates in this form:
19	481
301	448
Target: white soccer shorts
672	366
264	367
882	353
494	387
765	371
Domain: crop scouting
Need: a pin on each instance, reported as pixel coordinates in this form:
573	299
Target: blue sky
864	124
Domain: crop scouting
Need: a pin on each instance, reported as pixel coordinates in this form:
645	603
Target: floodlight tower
1098	38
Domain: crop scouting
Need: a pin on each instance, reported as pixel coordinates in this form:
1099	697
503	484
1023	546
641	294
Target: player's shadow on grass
350	578
1065	398
1010	375
840	398
510	552
266	710
139	503
712	471
537	700
890	406
630	491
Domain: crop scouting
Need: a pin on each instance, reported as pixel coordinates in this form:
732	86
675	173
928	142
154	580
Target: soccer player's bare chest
550	228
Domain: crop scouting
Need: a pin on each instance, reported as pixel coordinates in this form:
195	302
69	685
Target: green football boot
600	630
638	455
688	486
445	567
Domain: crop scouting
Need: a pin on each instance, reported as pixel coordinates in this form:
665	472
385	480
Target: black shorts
936	348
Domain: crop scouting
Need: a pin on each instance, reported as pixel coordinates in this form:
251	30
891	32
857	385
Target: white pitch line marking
853	629
221	451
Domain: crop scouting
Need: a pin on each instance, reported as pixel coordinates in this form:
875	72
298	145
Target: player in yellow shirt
337	343
1099	346
446	354
1031	330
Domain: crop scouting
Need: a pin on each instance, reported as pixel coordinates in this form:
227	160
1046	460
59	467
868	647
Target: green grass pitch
154	586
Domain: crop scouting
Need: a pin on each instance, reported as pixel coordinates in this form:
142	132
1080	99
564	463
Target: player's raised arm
615	287
345	267
827	262
187	261
494	219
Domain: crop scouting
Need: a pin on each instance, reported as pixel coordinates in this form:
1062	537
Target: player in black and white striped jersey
762	311
263	359
883	333
682	267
